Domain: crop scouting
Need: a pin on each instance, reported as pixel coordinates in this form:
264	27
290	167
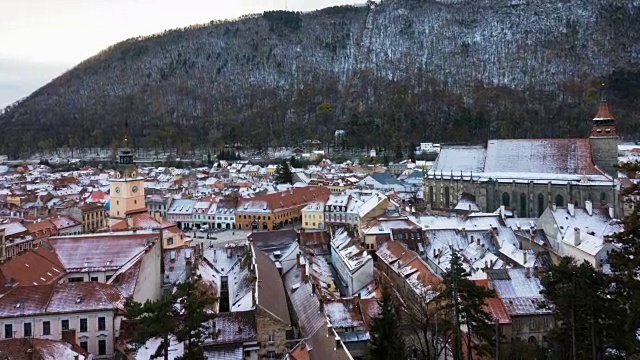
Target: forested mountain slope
389	74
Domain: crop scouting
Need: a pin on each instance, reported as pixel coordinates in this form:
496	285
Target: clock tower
127	188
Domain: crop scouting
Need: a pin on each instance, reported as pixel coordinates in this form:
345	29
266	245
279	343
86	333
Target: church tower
127	188
604	139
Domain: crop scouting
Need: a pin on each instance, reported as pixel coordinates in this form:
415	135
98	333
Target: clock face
134	189
133	174
118	174
118	189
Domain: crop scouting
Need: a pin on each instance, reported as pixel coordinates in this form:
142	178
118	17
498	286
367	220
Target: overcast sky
40	39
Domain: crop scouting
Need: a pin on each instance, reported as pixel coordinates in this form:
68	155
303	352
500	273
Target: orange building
273	211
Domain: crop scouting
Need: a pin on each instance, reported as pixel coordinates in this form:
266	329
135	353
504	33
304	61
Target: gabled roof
102	251
550	156
459	158
60	298
43	349
269	287
33	267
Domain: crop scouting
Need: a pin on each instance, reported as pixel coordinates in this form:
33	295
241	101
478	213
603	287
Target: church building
528	175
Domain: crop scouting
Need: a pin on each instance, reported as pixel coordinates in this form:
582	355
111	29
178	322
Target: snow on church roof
551	156
460	158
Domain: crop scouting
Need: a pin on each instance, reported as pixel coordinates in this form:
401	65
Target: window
446	197
84	345
94	278
170	241
8	331
102	347
270	338
540	204
271	355
523	205
532	324
28	330
603	197
431	196
506	199
65	324
46	328
83	325
76	279
102	323
546	322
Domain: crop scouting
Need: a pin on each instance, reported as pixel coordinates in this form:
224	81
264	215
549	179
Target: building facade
529	175
126	189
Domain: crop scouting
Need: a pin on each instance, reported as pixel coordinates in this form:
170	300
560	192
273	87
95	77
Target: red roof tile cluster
284	200
59	299
34	267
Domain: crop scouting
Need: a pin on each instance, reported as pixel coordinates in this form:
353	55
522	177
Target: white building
88	313
352	263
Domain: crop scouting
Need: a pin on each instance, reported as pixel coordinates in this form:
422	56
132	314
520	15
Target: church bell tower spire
603	138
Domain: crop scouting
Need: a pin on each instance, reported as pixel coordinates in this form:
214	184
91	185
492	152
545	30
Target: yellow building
127	189
313	216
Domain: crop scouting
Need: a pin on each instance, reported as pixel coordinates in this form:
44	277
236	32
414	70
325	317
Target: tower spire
603	114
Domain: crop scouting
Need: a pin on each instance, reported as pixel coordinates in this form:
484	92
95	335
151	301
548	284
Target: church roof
603	112
460	158
550	156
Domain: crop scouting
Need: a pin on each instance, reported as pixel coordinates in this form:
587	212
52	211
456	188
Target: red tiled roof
495	308
34	267
285	199
603	112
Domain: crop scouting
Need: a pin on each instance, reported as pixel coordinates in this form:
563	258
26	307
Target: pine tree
161	319
193	325
386	342
584	309
154	319
284	174
462	302
625	269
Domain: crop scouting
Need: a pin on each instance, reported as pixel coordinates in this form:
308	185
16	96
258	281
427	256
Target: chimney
571	209
303	273
588	205
486	264
30	354
435	253
527	272
477	241
298	260
471	240
229	252
554	207
502	211
253	293
576	236
611	214
524	258
130	221
69	336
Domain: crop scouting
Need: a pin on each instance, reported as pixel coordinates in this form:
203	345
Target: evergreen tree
386	342
162	318
625	269
584	310
284	174
153	319
462	301
193	327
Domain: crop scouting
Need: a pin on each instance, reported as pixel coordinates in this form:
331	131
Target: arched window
446	197
603	197
523	205
532	340
431	196
506	199
559	200
540	204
